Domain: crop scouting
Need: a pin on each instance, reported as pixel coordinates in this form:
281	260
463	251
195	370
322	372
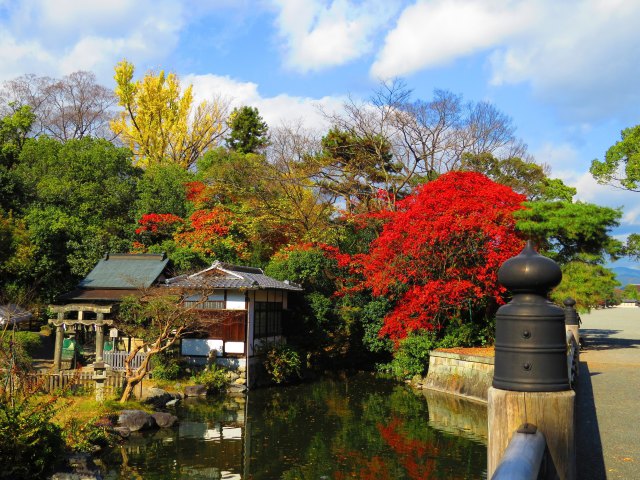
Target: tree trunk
134	379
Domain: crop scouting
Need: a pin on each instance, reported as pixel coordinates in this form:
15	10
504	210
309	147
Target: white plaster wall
235	301
234	347
201	346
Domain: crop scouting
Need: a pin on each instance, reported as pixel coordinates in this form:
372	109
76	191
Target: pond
356	426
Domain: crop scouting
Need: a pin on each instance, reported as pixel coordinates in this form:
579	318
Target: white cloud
319	34
563	159
584	56
15	55
580	55
631	216
591	191
275	110
57	38
431	34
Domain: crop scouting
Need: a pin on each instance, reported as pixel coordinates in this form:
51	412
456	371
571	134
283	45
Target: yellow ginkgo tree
159	122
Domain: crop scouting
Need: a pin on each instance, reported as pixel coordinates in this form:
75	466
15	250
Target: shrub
214	378
84	436
468	334
167	367
282	363
20	346
30	341
412	356
31	445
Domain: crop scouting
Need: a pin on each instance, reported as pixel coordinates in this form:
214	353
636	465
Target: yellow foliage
158	122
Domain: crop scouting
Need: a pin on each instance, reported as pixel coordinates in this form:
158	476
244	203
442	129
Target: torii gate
99	322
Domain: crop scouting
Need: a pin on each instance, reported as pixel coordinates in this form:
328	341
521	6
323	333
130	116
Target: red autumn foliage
208	231
197	193
158	223
356	465
214	222
418	457
439	252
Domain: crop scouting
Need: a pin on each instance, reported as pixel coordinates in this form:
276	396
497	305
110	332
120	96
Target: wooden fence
74	380
116	360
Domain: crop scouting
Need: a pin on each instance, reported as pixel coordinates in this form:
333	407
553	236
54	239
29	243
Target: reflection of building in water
211	449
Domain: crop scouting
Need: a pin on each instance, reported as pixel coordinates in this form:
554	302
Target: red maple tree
155	227
209	231
438	254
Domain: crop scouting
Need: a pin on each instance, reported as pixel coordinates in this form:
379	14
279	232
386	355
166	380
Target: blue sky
566	72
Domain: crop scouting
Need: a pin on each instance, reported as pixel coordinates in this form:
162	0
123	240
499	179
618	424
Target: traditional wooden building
91	305
242	311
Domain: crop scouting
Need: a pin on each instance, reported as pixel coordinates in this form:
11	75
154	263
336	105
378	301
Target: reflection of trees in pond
416	455
371	429
354	427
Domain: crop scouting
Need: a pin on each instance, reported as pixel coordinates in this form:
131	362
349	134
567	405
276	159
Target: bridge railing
573	357
524	458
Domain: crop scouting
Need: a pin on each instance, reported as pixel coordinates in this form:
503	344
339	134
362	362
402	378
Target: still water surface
357	426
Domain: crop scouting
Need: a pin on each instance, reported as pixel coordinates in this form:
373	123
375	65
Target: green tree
14	129
631	291
359	170
78	204
589	284
327	326
162	189
578	236
632	247
621	164
249	132
567	231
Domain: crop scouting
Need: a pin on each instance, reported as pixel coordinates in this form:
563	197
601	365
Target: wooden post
551	412
57	353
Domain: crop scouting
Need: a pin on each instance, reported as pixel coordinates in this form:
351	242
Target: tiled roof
126	271
224	275
98	294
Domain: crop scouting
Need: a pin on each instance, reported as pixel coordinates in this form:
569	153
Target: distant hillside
626	275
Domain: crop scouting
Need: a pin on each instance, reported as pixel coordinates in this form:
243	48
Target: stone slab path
608	395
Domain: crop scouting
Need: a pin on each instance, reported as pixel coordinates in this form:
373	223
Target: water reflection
349	427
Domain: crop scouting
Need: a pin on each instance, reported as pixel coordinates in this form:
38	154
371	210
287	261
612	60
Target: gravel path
608	395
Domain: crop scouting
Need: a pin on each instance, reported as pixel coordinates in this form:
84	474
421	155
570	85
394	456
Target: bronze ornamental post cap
529	272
